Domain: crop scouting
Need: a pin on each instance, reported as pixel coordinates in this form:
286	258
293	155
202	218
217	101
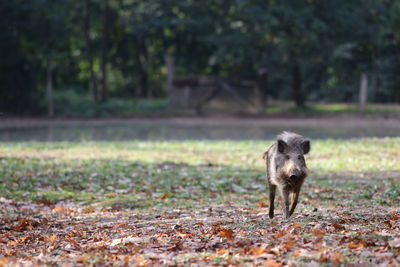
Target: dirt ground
225	235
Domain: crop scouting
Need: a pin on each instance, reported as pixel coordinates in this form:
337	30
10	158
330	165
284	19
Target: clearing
195	202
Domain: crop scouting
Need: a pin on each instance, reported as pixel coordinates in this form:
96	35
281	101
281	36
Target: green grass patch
142	174
315	109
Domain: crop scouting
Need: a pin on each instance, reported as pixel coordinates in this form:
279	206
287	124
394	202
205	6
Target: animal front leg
295	200
285	196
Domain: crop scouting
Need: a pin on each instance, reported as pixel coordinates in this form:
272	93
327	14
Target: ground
196	202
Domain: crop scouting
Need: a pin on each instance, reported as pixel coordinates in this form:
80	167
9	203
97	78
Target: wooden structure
193	94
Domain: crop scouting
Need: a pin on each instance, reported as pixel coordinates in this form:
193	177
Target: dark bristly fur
286	170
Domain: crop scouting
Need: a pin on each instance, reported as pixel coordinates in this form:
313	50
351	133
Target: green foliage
69	103
328	43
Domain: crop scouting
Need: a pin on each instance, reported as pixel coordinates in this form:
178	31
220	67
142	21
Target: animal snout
293	176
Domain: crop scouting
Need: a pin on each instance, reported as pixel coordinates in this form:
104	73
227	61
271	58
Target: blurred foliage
73	104
328	43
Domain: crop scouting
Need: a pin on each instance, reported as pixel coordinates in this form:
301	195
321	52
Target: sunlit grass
315	109
140	174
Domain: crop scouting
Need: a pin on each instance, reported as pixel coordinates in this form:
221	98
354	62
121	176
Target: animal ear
282	146
306	146
265	155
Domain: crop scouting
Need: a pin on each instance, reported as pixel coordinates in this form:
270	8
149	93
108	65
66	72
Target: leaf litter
71	210
69	235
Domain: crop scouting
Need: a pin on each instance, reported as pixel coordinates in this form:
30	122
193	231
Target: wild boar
286	170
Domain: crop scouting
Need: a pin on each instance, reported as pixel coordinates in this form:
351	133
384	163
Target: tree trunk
104	50
169	61
261	90
49	88
363	92
92	84
142	61
298	95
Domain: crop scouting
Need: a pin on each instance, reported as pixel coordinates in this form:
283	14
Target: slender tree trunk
261	90
298	94
169	61
49	88
92	84
363	92
104	50
142	61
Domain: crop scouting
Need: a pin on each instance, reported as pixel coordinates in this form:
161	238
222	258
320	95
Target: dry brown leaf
289	244
336	257
270	263
164	195
296	253
227	233
222	251
257	251
12	243
318	232
50	238
295	225
83	258
356	245
62	210
338	227
88	209
261	204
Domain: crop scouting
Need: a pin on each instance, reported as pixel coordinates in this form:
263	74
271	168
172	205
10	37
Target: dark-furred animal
286	170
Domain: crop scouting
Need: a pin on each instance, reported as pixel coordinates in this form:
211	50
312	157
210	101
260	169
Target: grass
170	196
69	103
184	171
327	109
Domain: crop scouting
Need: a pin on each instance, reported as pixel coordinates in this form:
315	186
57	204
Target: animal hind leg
272	190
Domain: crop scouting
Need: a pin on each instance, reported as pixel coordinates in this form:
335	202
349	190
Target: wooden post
363	92
49	88
169	60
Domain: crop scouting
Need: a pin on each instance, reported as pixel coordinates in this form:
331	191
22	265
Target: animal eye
287	157
300	157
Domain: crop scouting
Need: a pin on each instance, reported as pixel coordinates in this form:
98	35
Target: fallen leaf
336	257
317	232
50	238
356	245
222	251
125	240
338	227
289	244
296	253
257	251
164	195
261	204
88	209
270	263
227	233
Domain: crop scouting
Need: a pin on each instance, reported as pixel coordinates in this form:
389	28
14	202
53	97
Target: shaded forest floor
195	202
346	121
157	110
